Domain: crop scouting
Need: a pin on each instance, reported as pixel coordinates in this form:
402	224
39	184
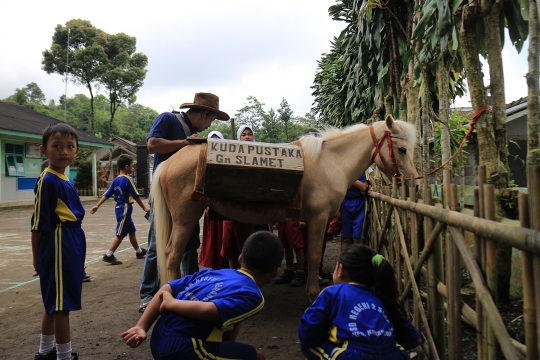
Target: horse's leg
315	230
182	227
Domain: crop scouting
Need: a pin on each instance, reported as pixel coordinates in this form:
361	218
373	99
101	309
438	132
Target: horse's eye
402	150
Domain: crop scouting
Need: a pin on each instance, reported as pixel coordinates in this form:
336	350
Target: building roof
21	119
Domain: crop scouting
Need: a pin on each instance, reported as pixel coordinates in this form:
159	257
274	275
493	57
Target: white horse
332	163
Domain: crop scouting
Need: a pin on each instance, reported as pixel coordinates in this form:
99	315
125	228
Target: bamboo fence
426	245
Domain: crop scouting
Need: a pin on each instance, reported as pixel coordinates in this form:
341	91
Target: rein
472	125
388	136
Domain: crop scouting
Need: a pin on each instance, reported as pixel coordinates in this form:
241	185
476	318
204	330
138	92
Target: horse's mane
312	144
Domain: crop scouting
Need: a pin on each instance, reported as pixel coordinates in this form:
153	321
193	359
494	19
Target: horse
332	162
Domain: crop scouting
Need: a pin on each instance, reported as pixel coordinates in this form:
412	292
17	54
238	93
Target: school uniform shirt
58	213
350	320
123	189
234	293
167	126
353	192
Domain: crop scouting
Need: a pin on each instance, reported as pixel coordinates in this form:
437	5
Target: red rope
472	125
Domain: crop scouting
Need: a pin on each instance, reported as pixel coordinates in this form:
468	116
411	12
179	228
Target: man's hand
94	209
134	336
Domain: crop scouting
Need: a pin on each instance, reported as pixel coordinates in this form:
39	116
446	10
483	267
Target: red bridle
388	136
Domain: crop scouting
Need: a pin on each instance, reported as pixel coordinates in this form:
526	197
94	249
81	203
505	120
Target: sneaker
51	355
141	254
299	279
74	356
111	260
285	278
324	282
144	305
325	275
85	277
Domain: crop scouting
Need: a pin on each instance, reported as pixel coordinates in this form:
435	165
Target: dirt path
111	299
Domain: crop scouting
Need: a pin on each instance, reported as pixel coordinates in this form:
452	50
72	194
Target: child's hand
93	210
134	336
146	210
166	300
36	273
301	224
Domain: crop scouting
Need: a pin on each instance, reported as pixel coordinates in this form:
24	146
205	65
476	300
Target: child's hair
262	251
123	161
366	267
62	128
44	164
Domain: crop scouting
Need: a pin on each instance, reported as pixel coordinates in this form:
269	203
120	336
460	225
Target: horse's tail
162	223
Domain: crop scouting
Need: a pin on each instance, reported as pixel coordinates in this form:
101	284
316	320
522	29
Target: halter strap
388	136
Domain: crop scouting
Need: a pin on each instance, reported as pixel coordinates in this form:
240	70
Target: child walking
125	193
201	313
360	317
58	242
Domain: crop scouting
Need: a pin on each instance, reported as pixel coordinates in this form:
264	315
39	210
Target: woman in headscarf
212	234
235	233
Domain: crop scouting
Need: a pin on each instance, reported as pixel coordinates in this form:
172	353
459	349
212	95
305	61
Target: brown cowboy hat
206	101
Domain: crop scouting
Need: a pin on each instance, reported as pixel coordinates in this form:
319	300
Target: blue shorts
61	256
354	351
123	216
353	213
168	344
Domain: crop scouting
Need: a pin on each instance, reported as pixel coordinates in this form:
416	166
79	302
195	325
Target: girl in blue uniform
360	316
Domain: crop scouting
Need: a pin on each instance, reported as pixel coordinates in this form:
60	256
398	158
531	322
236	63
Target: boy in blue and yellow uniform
201	313
58	242
125	193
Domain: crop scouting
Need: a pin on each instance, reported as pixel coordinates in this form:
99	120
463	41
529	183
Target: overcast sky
263	48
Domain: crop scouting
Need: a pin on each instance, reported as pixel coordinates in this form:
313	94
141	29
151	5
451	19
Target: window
14	160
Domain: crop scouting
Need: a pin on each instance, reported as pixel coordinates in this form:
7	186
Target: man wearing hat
168	135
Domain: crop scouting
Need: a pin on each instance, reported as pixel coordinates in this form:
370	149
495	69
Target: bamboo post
529	306
495	320
414	249
404	214
478	255
533	173
397	267
453	278
491	266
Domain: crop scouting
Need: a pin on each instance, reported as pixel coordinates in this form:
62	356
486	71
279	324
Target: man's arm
199	310
163	146
101	201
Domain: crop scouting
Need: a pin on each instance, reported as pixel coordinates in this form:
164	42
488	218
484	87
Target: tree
124	75
252	114
35	95
285	116
87	57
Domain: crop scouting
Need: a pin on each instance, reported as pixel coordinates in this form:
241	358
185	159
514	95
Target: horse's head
394	148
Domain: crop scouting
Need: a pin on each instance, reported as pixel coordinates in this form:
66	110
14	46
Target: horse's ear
389	122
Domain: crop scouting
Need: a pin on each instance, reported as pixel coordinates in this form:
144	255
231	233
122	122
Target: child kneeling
360	317
201	313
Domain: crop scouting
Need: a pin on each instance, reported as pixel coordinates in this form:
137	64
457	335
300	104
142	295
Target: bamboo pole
478	255
439	227
377	225
534	216
529	306
523	239
415	238
404	214
416	291
469	316
491	267
397	266
483	292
